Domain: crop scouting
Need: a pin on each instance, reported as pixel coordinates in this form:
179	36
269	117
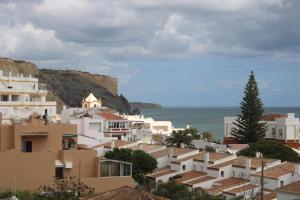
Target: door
59	172
28	146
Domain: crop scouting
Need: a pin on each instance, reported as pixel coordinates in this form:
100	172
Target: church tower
91	102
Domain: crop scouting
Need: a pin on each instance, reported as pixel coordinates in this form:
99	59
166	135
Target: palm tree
180	137
207	135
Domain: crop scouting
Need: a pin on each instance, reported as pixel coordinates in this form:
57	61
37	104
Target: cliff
141	105
68	87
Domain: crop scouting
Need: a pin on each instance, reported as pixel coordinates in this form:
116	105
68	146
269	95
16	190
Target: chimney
297	169
171	152
206	159
258	155
141	146
45	117
248	164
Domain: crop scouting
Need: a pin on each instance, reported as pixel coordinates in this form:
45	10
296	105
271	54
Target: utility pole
79	166
262	178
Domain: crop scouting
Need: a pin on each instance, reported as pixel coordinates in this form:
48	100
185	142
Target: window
4	97
273	132
59	172
71	144
233	173
280	133
281	183
194	167
222	173
183	167
27	146
201	168
14	97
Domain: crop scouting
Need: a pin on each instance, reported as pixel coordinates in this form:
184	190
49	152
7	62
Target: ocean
206	118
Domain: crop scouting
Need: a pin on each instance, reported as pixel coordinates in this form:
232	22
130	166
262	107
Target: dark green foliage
142	163
271	149
175	191
207	135
210	149
23	195
193	132
249	128
70	188
180	137
136	111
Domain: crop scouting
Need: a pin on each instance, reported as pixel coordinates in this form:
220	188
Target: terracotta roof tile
127	193
240	162
110	116
118	143
161	173
189	175
272	117
291	188
224	184
198	180
240	189
278	170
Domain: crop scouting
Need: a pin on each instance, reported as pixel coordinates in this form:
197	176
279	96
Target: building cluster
37	142
38	145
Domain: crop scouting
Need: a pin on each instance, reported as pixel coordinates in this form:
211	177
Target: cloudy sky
177	53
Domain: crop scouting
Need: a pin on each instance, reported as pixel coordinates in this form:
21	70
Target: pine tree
249	128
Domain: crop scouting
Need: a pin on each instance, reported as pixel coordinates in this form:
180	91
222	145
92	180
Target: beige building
32	154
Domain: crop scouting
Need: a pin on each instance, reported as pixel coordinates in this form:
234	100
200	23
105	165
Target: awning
69	135
68	165
58	163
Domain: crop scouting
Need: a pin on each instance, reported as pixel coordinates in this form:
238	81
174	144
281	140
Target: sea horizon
206	118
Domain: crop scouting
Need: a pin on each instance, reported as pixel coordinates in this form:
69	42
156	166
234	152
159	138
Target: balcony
117	130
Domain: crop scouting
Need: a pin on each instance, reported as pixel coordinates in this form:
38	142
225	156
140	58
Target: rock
68	87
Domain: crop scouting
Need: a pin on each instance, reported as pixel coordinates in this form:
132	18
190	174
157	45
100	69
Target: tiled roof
278	170
242	188
291	188
162	172
198	180
200	157
145	147
272	117
110	116
159	154
118	143
179	151
237	146
127	193
224	184
240	162
189	175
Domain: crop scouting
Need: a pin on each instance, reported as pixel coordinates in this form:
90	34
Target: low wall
104	184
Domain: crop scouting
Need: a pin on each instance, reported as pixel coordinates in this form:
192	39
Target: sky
175	53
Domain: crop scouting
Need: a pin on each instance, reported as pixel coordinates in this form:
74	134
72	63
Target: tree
142	162
176	191
193	132
180	137
249	128
207	135
271	149
68	188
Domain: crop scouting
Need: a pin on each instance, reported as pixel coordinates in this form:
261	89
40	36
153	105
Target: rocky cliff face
68	87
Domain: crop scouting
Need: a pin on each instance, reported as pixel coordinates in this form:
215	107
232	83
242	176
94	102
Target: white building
285	128
289	192
97	125
143	128
22	95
